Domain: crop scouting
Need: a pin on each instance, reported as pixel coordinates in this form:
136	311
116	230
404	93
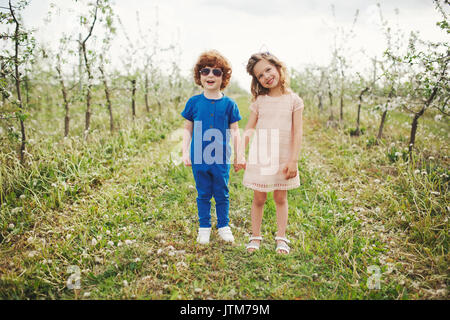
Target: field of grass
115	218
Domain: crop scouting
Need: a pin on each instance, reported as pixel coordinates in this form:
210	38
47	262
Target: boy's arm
239	154
187	136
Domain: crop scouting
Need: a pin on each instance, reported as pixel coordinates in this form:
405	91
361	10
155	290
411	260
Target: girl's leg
281	203
259	199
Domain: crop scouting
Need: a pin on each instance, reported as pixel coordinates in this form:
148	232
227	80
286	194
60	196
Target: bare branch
92	25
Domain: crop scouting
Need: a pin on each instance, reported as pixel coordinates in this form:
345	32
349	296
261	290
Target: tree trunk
3	78
80	65
331	118
147	106
358	130
320	103
341	112
383	116
380	129
27	89
17	76
412	137
133	98
108	100
330	96
88	70
66	102
88	94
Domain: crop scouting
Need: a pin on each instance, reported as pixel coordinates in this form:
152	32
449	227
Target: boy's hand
239	164
187	160
290	170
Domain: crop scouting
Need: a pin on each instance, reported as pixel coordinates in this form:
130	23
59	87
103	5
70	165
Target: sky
298	32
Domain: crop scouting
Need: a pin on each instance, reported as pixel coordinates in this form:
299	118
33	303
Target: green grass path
132	236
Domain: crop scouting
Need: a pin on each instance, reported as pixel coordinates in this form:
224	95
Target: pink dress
271	145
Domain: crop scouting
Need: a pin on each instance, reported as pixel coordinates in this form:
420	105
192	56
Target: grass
121	211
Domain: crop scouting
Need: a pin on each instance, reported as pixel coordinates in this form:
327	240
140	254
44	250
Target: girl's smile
266	74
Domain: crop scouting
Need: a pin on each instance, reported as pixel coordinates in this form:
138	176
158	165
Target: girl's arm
290	170
249	130
187	136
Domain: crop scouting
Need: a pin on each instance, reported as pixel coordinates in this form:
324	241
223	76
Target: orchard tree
105	77
392	72
104	62
340	60
363	87
65	91
428	81
13	61
100	10
149	49
130	63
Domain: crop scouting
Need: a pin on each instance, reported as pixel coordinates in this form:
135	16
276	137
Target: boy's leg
204	184
221	174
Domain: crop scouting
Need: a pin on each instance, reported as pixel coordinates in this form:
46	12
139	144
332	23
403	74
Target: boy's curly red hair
211	59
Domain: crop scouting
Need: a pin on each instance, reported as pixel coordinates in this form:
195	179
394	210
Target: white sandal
254	246
282	246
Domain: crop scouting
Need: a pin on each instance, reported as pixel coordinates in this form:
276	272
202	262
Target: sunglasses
206	71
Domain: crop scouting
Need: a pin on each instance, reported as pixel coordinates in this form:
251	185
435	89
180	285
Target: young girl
276	122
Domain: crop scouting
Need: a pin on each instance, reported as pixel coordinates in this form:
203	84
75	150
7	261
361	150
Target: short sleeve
297	103
188	112
235	115
254	106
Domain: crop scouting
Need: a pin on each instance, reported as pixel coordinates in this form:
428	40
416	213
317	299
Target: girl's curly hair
256	88
211	59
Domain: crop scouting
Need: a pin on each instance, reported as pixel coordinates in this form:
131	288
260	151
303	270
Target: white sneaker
225	234
203	235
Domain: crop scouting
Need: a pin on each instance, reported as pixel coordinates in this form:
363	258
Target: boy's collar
221	93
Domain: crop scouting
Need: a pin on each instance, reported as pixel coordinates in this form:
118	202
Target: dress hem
268	188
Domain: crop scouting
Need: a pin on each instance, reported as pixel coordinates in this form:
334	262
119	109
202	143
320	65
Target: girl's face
266	74
211	78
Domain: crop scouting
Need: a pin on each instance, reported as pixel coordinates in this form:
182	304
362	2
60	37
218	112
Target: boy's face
210	78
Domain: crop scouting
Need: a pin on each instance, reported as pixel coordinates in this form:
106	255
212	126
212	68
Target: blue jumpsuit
210	153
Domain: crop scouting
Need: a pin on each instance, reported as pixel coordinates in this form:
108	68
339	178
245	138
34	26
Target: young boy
210	118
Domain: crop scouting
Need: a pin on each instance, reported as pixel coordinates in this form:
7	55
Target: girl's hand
290	170
239	164
187	160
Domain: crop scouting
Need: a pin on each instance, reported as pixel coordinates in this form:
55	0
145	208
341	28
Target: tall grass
122	213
